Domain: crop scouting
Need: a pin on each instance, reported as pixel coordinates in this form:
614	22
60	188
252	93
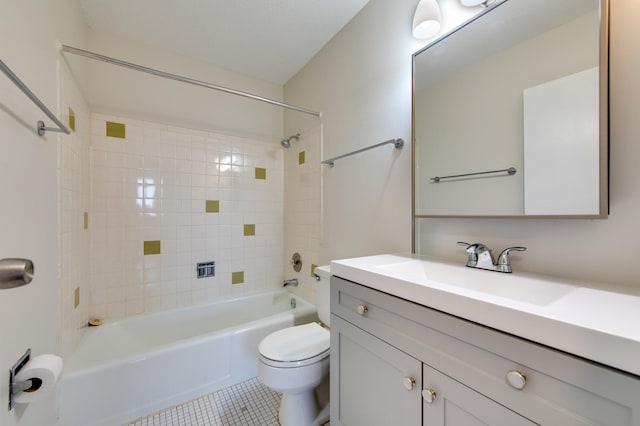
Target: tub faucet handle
296	262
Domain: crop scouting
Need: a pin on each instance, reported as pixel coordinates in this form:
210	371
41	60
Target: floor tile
248	403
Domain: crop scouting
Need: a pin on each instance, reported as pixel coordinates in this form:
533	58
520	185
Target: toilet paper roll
44	371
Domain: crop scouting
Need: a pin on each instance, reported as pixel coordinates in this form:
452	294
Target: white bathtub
129	368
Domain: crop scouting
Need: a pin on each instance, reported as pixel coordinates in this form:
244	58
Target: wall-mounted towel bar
40	127
175	77
510	171
398	143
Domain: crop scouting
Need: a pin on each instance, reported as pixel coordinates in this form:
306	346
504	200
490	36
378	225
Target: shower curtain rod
158	73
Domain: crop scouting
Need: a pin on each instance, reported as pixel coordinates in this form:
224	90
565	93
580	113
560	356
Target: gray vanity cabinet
394	362
448	402
372	379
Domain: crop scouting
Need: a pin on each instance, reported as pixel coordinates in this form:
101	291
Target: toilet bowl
295	360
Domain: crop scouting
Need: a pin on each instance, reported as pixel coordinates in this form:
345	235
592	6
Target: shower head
286	143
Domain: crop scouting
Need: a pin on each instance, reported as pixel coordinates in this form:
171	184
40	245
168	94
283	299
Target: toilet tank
322	291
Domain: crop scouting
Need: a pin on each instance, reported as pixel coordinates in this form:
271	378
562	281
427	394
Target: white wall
361	81
117	90
28	162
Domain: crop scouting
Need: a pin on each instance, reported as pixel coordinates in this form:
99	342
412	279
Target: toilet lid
295	343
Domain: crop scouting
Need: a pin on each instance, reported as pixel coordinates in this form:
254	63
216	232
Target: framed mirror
510	114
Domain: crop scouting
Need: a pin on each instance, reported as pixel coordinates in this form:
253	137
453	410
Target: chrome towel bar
40	127
510	171
398	143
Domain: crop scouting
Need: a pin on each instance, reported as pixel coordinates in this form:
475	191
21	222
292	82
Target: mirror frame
603	130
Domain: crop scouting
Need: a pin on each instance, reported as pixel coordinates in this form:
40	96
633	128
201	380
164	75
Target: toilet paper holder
15	387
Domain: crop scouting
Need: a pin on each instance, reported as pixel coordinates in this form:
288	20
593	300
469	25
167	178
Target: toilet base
301	409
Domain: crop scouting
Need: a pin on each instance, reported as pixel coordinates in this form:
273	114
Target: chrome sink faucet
480	256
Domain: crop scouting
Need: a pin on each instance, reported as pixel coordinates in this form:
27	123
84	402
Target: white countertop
599	325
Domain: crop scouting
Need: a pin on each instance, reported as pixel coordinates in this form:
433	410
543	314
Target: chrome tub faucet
292	282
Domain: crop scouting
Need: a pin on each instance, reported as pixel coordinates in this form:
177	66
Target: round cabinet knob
516	379
362	309
429	395
409	382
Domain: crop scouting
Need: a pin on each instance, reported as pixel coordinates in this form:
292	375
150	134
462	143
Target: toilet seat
295	346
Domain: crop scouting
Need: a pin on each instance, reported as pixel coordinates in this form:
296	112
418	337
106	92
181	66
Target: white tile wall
73	201
152	185
303	210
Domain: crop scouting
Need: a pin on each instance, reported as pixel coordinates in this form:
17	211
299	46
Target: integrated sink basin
515	287
586	320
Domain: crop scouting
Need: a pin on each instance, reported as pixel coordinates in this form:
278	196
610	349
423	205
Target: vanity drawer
555	388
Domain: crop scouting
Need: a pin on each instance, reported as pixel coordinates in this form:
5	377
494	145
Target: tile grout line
246	403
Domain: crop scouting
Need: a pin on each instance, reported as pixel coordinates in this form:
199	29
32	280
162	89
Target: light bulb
426	21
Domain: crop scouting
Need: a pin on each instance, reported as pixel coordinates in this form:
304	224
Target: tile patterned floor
248	403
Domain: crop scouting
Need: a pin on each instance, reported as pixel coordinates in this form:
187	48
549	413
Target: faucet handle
472	252
479	256
475	247
504	265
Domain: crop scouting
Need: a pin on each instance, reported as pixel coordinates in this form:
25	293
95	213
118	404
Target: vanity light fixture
427	19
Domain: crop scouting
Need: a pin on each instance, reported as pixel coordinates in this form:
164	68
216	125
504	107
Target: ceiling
266	39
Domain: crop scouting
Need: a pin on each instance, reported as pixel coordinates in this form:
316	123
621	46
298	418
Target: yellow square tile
313	269
151	247
72	120
116	130
261	173
301	156
249	230
212	206
237	277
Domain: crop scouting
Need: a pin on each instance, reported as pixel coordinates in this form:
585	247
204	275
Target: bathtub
129	368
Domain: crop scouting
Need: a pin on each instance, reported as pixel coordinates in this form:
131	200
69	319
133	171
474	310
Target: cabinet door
448	402
372	383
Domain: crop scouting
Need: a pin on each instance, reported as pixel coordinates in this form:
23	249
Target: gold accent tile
212	206
116	130
301	156
249	230
85	218
313	268
76	297
261	173
72	119
152	247
237	277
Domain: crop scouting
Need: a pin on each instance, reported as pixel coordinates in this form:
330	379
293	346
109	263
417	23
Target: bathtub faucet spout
292	282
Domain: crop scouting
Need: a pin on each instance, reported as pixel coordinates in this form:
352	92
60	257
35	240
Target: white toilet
295	360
